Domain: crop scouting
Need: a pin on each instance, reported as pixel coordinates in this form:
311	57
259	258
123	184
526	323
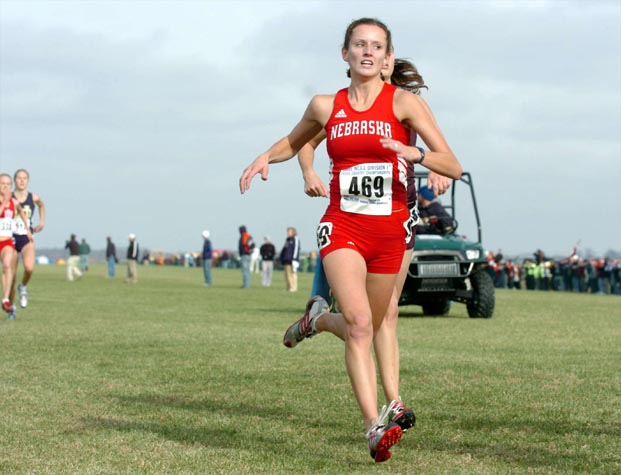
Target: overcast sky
139	116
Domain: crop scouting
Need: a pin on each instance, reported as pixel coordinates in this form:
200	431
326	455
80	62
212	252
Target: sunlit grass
168	376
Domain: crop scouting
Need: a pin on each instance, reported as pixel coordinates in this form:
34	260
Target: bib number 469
367	186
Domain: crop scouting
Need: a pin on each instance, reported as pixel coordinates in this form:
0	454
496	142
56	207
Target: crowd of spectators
221	258
570	274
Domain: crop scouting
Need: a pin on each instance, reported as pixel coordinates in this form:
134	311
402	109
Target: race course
167	376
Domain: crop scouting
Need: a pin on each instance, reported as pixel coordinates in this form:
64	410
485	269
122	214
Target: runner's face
21	181
367	53
389	67
5	184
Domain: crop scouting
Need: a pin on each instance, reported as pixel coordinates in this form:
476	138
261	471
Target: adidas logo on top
340	114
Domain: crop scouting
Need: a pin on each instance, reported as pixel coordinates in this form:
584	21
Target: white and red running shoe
305	326
7	306
380	438
401	415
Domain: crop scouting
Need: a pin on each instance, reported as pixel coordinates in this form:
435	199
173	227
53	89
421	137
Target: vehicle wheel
438	307
483	296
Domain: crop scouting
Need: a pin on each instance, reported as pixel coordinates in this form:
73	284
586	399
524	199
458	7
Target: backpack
247	243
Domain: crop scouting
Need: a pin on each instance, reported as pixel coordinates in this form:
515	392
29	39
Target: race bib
20	227
6	227
367	189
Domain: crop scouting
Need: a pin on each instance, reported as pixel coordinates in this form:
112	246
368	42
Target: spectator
268	252
225	259
539	270
254	260
433	217
132	260
556	280
605	285
517	276
290	259
592	271
530	268
511	270
111	258
574	273
616	277
561	274
207	258
85	250
246	245
73	261
501	271
582	275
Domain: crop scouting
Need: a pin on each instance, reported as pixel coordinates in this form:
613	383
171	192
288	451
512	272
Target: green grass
171	377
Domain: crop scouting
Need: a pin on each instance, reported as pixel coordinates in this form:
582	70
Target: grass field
171	377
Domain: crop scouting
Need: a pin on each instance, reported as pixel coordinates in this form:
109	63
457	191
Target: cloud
142	119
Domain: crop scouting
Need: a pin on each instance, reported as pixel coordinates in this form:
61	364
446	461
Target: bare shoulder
321	106
322	101
406	99
324	98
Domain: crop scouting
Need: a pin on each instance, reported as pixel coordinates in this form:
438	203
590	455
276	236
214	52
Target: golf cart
447	267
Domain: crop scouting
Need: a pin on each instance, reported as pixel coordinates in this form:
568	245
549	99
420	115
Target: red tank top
366	178
6	220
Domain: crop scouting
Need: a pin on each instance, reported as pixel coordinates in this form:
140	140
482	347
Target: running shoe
7	306
382	436
401	415
23	295
12	314
305	326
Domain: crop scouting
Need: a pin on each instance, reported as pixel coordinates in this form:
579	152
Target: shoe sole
406	421
390	438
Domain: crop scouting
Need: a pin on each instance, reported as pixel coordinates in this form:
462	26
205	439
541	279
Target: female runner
9	209
24	246
361	236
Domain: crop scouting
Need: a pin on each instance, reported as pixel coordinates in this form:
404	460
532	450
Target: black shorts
20	241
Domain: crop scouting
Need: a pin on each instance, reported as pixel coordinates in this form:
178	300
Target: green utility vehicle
448	267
